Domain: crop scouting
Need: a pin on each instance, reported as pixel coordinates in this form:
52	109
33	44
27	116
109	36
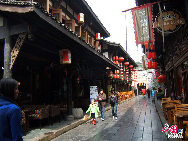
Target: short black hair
7	86
101	90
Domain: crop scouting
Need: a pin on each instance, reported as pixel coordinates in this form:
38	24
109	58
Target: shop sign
142	17
93	92
65	56
172	21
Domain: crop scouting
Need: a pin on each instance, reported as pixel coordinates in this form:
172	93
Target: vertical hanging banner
65	56
142	17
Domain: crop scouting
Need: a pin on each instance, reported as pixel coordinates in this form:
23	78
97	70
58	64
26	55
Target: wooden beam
15	29
16	9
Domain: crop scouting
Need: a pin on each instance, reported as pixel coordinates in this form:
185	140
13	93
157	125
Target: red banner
142	17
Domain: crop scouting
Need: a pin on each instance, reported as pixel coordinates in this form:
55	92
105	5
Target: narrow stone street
137	121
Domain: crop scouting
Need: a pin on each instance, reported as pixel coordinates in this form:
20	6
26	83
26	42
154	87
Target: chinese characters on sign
142	18
172	21
174	131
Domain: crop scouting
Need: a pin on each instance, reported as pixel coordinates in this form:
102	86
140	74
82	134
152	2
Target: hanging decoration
154	65
142	17
153	55
126	63
121	59
65	56
81	18
98	36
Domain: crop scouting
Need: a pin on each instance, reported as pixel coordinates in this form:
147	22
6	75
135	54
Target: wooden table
181	116
170	109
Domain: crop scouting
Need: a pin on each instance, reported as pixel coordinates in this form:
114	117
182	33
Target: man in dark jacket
114	98
10	113
148	92
102	102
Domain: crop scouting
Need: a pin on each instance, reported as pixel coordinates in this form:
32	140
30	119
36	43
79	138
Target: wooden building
172	54
54	55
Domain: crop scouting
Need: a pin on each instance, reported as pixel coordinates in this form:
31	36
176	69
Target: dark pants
114	110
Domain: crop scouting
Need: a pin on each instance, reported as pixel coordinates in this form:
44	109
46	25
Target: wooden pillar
7	53
47	6
92	41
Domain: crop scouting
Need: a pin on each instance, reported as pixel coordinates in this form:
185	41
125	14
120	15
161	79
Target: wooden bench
181	118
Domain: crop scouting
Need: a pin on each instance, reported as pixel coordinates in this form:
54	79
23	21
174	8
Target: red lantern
157	74
81	18
122	79
98	36
154	65
148	54
115	76
121	69
121	59
121	72
116	62
131	66
153	55
117	71
126	63
114	58
121	75
149	64
127	72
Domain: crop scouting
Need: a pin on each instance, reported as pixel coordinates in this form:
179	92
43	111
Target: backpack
112	100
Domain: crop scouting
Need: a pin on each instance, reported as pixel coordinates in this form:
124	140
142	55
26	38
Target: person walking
94	110
148	92
114	98
102	102
10	113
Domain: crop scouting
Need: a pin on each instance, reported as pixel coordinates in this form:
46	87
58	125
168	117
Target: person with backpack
114	102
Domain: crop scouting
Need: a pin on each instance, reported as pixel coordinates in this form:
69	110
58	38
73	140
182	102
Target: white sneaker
102	119
113	117
116	118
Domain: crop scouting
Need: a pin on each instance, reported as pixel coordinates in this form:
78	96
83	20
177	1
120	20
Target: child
94	110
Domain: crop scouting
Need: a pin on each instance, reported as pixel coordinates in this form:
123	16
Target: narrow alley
137	121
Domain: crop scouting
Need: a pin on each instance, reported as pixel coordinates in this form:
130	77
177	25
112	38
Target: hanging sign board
172	21
142	17
65	56
93	92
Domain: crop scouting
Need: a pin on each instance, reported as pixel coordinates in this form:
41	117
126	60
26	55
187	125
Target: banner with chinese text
142	17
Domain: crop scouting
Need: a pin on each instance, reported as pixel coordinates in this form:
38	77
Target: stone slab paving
137	121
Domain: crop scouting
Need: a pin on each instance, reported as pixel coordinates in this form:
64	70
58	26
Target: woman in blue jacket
10	113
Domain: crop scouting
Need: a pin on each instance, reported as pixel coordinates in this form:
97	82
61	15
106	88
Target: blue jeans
102	109
114	110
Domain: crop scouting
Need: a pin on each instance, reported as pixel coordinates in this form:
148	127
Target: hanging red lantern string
115	76
126	64
148	54
154	65
121	59
114	58
149	64
131	66
153	55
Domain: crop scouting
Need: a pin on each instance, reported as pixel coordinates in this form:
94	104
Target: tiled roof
38	6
